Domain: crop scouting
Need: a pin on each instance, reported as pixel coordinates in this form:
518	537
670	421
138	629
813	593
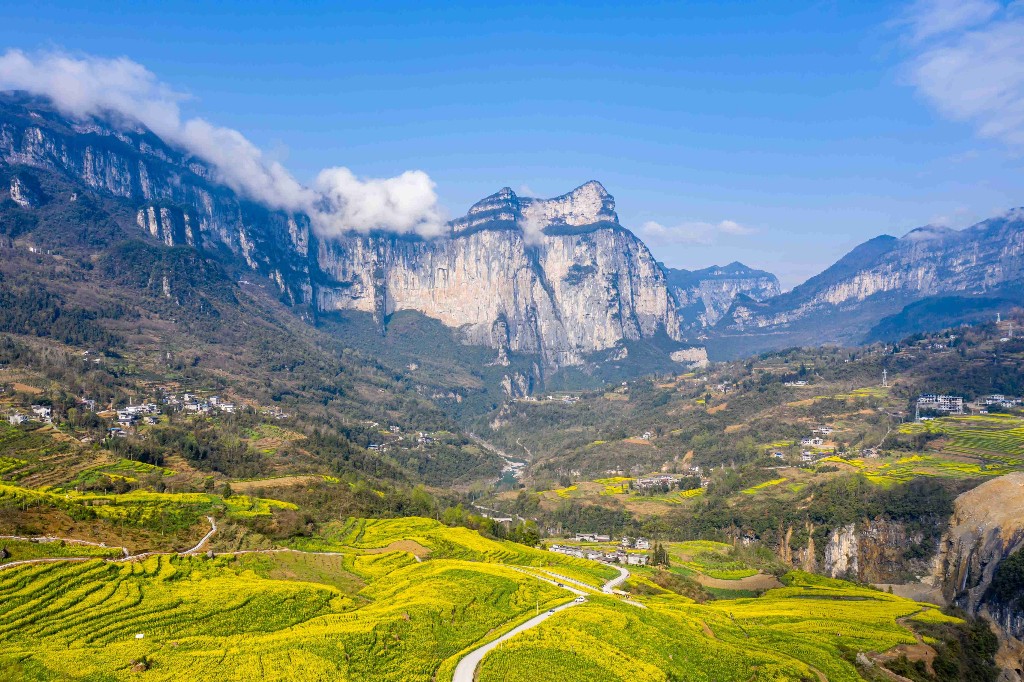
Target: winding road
465	671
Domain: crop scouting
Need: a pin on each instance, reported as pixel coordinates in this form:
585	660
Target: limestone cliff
705	296
572	287
556	278
880	278
986	529
873	551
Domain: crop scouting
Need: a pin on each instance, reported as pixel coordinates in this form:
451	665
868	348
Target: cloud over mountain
125	91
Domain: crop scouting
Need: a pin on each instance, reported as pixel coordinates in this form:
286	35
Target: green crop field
787	634
995	439
23	550
360	613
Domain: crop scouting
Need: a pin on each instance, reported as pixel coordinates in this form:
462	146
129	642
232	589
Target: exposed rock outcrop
704	296
560	289
879	278
987	527
873	551
557	278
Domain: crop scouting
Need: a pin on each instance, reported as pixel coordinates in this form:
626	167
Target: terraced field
997	439
400	628
790	633
41	457
360	613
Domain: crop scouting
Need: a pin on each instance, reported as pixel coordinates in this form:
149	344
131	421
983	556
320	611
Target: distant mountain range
547	284
705	296
888	287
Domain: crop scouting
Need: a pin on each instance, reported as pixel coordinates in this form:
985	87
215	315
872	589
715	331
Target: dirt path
279	482
758	583
127	557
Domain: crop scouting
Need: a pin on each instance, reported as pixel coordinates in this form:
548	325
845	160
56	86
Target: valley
235	446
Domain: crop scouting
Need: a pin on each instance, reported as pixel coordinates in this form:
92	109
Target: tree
660	555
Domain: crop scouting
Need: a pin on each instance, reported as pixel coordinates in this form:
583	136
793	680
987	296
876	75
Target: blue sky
779	134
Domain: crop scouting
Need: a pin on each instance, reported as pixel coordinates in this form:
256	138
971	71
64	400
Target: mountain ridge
568	282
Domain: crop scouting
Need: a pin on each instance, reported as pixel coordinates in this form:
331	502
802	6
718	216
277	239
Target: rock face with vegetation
704	296
879	550
558	279
980	565
883	276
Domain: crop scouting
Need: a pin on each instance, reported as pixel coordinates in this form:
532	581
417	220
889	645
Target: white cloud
929	18
406	203
693	232
968	62
533	229
124	91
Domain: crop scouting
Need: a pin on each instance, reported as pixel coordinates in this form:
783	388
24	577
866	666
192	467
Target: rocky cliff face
879	278
572	283
873	551
986	529
173	195
558	278
704	296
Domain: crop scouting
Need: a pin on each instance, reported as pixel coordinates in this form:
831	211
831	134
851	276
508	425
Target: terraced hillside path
127	557
465	671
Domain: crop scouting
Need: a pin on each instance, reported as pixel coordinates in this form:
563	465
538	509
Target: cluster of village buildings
618	556
662	481
567	399
1000	400
394	435
130	416
38	413
954	404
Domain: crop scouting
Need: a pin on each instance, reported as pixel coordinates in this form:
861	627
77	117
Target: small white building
636	559
43	412
17	419
642	543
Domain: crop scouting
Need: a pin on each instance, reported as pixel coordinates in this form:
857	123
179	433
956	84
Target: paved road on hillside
465	671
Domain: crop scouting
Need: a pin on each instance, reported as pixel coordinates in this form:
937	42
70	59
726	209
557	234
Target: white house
16	419
642	543
636	559
43	412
